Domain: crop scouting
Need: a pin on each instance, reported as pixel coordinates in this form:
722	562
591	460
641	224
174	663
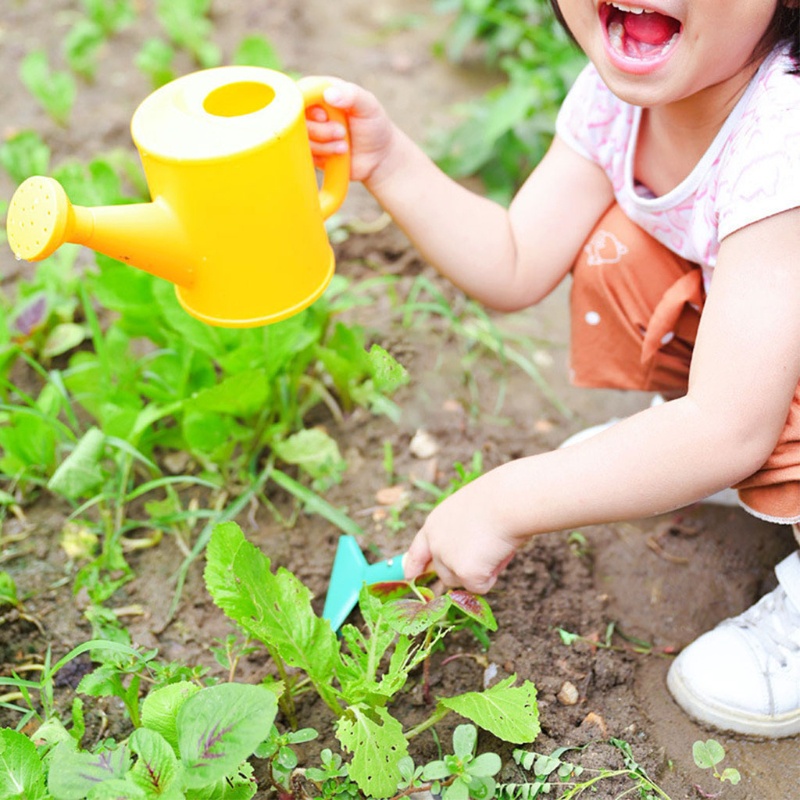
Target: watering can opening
238	99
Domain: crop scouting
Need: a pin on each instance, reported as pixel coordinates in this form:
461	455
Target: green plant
193	743
188	26
553	773
155	59
463	774
55	90
708	755
505	133
358	675
478	334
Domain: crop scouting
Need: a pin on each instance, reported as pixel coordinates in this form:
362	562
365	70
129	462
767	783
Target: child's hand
464	540
371	130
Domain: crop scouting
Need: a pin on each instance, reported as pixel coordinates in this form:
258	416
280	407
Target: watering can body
236	220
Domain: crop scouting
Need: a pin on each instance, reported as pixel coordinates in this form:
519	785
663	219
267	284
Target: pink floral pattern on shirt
750	172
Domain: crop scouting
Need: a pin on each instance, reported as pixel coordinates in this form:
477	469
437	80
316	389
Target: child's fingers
316	114
416	560
325	131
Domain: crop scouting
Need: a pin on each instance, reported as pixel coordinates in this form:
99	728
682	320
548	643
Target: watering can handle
336	172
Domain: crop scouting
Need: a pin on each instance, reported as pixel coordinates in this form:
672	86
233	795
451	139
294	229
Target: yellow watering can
236	220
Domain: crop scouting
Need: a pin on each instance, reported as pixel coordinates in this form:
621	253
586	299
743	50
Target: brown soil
664	580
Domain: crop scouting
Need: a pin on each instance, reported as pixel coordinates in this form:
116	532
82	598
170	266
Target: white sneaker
744	675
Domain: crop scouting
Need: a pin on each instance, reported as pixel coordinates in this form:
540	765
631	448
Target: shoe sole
779	727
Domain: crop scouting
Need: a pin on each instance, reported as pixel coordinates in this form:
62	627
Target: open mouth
639	33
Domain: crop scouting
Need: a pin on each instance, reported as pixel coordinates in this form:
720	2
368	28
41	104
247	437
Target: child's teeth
631	9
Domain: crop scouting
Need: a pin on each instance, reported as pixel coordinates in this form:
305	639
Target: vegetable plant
357	675
504	134
54	90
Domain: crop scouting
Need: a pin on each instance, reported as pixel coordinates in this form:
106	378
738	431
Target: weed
505	133
550	773
358	675
55	90
708	755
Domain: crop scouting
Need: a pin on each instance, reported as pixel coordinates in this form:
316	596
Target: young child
671	193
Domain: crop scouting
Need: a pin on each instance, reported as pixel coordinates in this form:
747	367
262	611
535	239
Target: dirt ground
663	580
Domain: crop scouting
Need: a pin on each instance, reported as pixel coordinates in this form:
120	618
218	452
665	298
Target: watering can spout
236	221
148	235
350	572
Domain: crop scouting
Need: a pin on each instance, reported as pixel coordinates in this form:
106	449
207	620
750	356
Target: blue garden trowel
350	572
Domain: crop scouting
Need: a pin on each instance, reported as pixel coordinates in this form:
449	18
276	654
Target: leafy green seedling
463	774
55	90
277	747
25	154
708	755
82	46
155	59
110	16
187	24
256	51
359	674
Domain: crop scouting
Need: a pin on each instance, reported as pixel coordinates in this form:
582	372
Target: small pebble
423	445
568	694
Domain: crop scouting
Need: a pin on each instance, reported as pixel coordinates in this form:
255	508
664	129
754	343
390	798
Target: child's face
657	52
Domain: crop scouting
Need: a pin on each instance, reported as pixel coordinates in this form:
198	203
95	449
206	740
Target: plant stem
437	716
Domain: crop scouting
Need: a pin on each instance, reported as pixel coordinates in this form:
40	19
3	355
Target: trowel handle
336	172
389	570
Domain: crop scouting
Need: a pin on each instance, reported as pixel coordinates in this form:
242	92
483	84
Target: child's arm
507	259
745	369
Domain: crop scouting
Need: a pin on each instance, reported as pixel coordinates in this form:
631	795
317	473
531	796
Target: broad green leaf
81	473
160	709
73	774
204	432
510	713
273	607
238	785
221	726
117	789
25	154
376	740
316	453
256	51
387	373
708	754
157	770
21	771
242	394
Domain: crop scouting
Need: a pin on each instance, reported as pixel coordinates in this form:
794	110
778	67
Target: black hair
784	28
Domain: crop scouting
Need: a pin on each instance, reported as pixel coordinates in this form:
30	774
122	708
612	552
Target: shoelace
775	623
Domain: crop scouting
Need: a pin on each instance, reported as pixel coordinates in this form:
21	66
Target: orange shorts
635	309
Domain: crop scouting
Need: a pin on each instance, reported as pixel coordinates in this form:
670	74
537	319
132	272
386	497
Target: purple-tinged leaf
31	316
474	606
73	773
412	617
220	726
390	590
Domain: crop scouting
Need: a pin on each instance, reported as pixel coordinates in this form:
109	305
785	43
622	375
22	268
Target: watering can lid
215	113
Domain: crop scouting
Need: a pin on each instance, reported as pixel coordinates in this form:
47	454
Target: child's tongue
650	28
